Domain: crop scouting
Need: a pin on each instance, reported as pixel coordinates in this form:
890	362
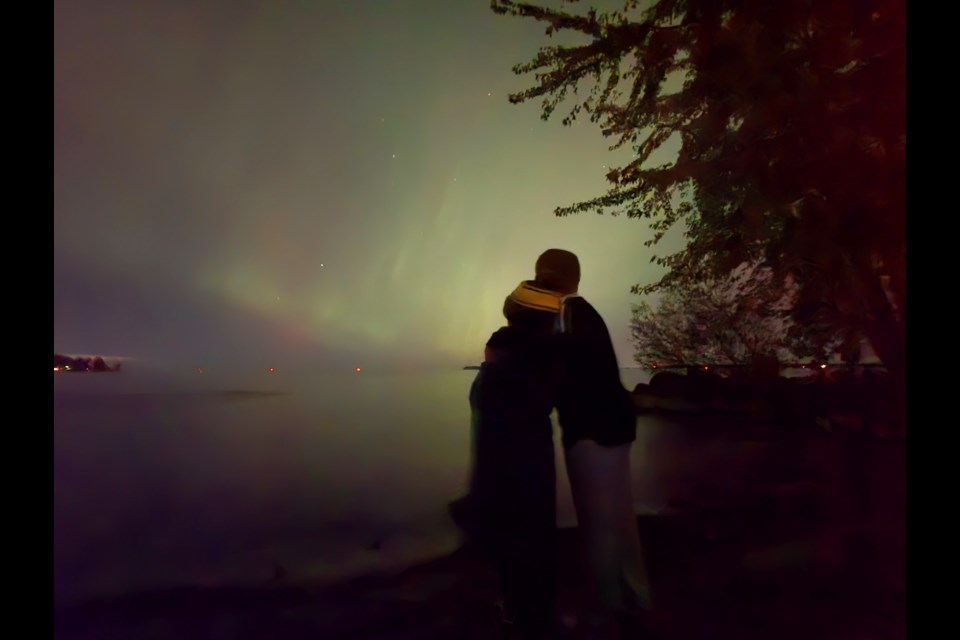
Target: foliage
730	320
791	121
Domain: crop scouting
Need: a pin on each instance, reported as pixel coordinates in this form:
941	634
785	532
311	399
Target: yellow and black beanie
528	294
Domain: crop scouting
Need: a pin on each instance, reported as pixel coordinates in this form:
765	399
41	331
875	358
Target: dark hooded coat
592	403
513	479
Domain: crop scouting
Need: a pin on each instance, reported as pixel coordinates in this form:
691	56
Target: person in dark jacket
513	479
598	423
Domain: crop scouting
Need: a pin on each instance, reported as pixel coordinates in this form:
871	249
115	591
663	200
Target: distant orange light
357	369
823	366
272	370
706	368
653	367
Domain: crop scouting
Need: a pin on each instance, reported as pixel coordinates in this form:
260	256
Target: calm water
166	481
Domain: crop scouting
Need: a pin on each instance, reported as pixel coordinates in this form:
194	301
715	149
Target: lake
164	480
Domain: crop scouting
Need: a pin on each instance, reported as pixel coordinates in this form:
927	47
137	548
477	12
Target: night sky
333	182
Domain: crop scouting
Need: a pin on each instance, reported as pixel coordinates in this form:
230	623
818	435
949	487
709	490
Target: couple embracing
555	352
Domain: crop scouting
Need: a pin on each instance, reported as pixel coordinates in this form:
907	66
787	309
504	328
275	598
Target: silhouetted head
531	312
558	270
531	307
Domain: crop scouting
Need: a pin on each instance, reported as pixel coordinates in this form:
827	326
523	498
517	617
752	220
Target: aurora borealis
341	181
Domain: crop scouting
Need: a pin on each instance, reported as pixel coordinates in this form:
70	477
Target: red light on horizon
357	369
272	370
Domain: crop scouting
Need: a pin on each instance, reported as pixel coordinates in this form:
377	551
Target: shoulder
500	338
505	346
582	312
579	302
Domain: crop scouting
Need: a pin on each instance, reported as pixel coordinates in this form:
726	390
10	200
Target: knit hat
531	308
529	295
559	270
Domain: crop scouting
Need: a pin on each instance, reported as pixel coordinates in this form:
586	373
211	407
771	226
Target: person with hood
598	425
513	478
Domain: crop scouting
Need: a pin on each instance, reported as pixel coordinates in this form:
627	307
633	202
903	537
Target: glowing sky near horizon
300	179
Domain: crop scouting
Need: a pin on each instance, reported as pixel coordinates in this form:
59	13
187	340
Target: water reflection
172	480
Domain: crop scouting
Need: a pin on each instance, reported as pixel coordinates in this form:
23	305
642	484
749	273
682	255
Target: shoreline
710	545
455	594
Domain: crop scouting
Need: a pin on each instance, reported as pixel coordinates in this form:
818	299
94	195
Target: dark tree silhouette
790	117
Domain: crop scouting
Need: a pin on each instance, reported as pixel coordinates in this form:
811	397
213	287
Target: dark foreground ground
809	544
706	590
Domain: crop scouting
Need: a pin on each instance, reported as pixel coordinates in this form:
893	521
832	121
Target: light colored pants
600	484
